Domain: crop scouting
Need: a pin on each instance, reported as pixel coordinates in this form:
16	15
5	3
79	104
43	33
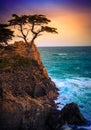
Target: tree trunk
24	36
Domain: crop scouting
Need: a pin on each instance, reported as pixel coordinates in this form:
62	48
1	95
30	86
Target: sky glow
72	18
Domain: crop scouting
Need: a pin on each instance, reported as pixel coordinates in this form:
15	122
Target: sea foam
62	54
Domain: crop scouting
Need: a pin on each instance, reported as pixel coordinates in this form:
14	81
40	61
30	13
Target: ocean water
70	69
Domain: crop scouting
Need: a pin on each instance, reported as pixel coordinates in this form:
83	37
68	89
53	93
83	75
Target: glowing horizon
72	19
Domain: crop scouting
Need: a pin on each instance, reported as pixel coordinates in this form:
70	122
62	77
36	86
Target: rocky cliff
26	92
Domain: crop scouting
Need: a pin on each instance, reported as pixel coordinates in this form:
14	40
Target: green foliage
36	24
18	20
38	19
21	61
50	29
6	64
16	60
5	34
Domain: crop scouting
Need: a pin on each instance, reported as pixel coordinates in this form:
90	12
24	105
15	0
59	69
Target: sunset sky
72	18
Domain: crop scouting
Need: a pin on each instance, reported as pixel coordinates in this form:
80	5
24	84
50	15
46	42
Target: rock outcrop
26	92
70	114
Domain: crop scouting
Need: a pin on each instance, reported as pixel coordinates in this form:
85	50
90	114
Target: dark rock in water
70	114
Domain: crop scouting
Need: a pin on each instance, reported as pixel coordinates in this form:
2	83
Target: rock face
26	92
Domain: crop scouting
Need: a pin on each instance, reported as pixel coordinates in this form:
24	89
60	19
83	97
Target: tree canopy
5	34
35	24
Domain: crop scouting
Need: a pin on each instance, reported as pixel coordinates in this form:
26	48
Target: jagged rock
70	114
26	92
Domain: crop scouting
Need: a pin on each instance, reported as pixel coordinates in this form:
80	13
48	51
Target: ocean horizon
70	68
64	46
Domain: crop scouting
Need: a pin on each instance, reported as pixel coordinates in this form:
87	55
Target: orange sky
74	29
72	19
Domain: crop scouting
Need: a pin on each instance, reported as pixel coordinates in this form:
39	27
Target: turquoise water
70	69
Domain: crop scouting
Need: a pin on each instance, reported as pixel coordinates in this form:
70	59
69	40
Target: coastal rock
70	114
27	93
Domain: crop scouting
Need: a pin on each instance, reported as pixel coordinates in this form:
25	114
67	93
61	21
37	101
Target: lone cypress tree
5	34
36	24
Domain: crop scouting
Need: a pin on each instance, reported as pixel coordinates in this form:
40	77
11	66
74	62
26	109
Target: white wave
81	82
62	54
75	89
73	83
66	127
84	127
58	82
